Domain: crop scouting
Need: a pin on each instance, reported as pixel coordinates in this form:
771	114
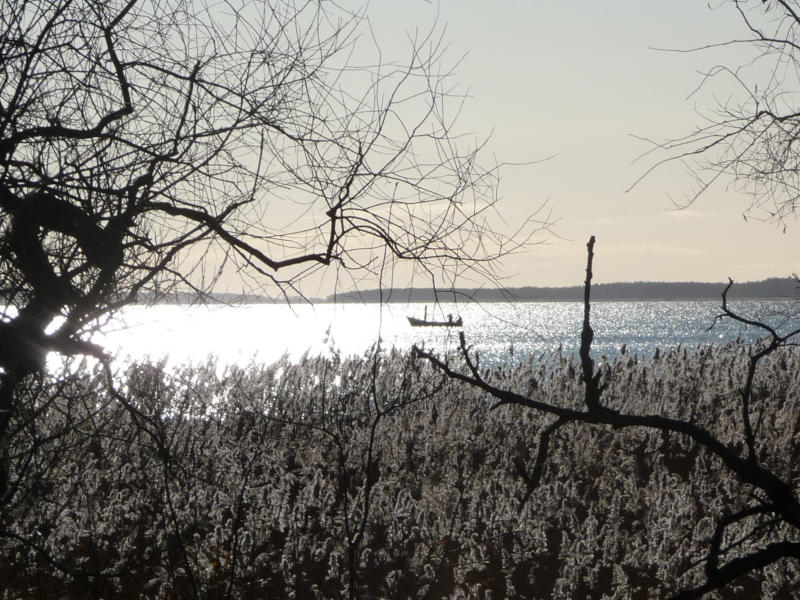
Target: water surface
499	331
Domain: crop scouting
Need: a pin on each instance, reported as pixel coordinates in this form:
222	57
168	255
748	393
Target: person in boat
449	317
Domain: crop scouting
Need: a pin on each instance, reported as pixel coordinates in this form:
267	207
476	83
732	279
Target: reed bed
375	477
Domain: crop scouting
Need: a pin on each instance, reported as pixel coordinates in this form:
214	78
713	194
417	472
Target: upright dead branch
590	378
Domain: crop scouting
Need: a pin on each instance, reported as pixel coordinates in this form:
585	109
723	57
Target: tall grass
376	477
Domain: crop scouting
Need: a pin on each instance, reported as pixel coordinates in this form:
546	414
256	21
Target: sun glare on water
498	331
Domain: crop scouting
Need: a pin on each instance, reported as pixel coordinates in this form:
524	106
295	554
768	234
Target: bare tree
746	539
750	134
145	147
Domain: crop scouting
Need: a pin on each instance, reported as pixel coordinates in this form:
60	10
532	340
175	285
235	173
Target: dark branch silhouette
150	148
748	136
779	500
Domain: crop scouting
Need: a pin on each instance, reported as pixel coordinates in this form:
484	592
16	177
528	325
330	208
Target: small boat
414	322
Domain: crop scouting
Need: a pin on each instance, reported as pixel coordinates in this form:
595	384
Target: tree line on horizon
773	288
778	288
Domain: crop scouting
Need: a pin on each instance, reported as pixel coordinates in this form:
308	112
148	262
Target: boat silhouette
415	322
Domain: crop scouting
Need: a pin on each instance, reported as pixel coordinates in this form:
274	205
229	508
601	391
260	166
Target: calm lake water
265	332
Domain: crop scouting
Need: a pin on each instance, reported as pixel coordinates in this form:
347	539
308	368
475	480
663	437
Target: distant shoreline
775	288
768	289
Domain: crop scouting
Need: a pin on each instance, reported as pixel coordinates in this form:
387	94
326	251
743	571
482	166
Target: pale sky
579	80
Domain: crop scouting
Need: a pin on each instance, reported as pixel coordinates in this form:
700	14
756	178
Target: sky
584	82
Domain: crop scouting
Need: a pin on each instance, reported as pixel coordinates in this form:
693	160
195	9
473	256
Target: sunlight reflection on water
265	332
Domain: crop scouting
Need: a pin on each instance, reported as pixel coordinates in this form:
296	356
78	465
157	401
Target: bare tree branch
782	502
750	138
143	144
